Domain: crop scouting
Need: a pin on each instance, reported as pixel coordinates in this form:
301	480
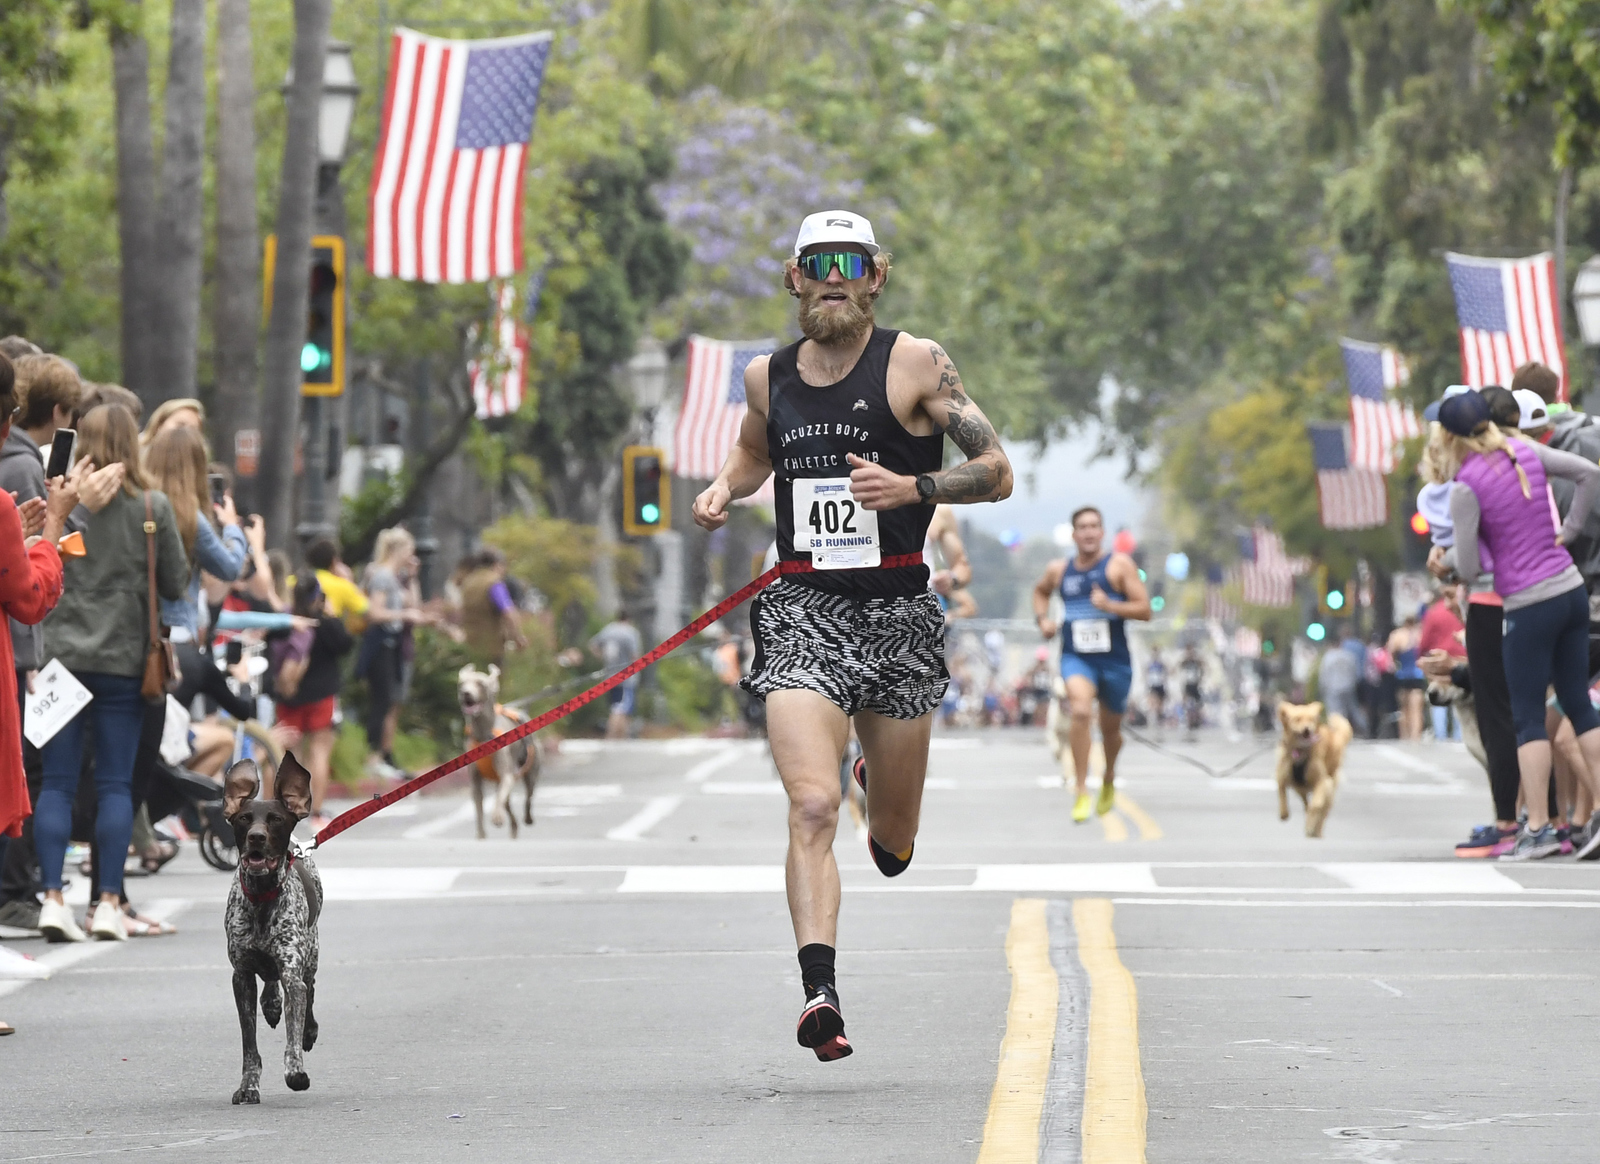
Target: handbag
161	673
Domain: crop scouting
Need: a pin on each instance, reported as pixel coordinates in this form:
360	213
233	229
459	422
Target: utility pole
280	404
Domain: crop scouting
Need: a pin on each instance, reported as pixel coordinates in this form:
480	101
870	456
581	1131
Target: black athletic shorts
863	654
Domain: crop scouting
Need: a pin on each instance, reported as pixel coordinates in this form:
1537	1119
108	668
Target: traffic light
322	350
1158	599
646	491
1329	601
1316	632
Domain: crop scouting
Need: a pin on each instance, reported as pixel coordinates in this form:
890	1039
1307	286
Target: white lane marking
939	784
658	809
61	957
1382	985
686	746
582	795
357	884
1242	783
743	787
1404	759
703	879
1104	877
1419	877
704	768
439	824
1455	788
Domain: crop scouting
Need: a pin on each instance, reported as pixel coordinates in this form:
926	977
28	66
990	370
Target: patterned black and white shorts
864	654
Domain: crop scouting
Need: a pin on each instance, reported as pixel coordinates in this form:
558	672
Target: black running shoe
859	771
888	864
821	1025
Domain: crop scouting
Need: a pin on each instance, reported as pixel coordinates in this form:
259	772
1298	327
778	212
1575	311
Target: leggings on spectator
383	685
1492	702
1547	643
117	713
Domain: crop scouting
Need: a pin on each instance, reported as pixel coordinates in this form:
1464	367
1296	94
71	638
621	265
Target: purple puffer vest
1517	529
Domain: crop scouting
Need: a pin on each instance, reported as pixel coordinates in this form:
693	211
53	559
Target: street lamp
1586	302
647	375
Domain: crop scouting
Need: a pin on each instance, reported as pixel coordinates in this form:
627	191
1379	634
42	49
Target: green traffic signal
649	514
1316	632
1158	604
310	358
1336	600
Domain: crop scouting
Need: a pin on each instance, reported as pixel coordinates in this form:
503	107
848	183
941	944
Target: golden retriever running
1309	756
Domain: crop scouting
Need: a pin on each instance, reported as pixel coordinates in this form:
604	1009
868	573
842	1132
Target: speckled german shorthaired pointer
271	923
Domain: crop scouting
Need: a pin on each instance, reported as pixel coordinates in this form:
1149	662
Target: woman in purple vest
1499	500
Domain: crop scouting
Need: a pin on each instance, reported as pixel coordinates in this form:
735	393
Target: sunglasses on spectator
849	264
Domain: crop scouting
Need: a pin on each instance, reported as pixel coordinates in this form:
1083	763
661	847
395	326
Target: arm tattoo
980	478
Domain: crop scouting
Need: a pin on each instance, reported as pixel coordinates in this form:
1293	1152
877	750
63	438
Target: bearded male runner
1099	592
850	422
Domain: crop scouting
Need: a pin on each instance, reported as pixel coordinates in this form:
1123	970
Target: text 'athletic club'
446	199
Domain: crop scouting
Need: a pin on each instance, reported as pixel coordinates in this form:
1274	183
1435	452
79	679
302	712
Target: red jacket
30	586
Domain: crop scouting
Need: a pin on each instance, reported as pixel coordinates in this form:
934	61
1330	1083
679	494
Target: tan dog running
1309	756
522	761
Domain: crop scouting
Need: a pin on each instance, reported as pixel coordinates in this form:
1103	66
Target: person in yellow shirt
345	599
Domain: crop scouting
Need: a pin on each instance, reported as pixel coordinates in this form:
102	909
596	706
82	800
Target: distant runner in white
850	422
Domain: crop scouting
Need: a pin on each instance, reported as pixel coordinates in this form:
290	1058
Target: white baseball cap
1535	415
835	226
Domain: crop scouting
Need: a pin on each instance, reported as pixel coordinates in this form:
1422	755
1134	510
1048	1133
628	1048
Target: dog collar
269	895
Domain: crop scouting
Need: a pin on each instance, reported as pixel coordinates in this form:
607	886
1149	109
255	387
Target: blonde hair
164	412
1440	460
1489	438
107	434
391	542
176	463
45	383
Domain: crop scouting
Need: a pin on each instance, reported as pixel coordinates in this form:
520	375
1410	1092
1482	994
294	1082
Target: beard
834	325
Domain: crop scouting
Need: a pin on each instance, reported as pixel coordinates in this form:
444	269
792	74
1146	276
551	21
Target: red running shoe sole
837	1047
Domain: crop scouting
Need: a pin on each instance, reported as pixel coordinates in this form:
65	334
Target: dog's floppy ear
464	674
1316	710
294	787
494	672
243	782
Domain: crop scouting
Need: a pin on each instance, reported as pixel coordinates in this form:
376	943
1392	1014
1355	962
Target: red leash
366	808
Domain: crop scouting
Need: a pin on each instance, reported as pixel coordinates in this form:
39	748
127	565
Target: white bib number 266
832	527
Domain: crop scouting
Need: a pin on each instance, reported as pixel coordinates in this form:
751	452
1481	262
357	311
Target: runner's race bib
831	525
1091	636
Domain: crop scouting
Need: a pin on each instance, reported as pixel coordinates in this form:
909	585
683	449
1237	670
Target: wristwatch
926	487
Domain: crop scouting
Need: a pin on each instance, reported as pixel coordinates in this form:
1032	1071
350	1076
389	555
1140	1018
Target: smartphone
235	652
61	450
219	488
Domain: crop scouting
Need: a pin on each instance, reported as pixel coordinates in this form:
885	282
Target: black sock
816	966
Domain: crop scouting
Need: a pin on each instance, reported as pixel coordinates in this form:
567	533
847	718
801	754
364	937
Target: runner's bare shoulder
755	383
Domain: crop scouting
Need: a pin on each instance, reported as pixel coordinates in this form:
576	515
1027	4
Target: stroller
201	812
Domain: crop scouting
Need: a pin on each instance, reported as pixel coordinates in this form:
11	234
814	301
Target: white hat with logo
1534	413
835	226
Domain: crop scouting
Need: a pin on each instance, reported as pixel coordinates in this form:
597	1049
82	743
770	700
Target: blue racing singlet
1075	587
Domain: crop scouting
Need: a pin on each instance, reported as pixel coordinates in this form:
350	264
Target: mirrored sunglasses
850	264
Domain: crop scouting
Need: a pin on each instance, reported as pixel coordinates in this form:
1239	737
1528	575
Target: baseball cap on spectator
1502	405
1464	413
1431	412
1535	415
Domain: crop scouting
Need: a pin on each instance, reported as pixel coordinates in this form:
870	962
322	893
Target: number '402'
832	516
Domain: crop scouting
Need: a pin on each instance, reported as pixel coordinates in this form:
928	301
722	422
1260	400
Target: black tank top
809	431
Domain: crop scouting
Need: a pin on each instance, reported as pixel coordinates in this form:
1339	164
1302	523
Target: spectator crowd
130	577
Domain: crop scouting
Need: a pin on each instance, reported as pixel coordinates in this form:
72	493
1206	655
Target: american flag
1347	497
446	199
1377	420
713	406
499	374
1218	608
1510	314
1269	573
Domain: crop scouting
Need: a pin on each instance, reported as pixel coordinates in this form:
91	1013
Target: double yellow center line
1114	1102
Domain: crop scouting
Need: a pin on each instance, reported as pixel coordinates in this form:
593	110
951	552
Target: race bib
832	527
1091	636
56	697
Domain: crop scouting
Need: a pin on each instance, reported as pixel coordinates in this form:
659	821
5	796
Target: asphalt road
1188	978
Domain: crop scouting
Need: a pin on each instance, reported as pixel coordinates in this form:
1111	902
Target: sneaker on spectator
21	914
1534	846
1484	840
1590	849
15	965
55	921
